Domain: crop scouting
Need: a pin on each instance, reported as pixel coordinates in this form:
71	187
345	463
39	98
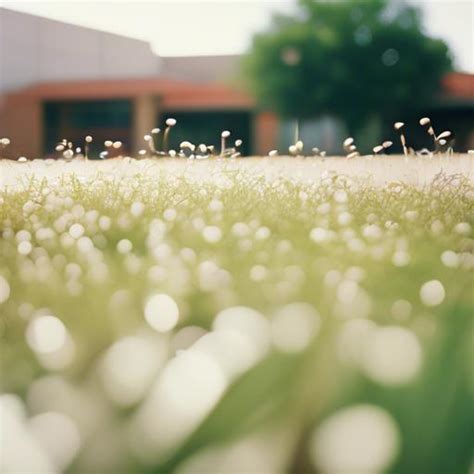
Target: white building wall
35	49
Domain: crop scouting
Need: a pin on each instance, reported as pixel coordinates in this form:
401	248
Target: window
206	127
73	120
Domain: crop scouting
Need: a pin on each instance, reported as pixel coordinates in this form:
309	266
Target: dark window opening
206	127
74	120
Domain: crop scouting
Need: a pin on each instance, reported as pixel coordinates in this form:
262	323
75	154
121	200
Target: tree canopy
352	59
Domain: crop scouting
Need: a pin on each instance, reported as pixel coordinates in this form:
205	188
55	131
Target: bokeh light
161	312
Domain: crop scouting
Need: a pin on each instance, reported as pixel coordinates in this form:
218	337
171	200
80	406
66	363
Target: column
265	132
145	110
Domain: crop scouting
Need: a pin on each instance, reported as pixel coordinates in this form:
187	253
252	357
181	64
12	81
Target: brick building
59	80
64	81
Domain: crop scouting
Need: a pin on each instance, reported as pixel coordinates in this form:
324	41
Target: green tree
355	60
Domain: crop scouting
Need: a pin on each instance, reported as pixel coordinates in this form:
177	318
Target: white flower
4	289
392	355
432	293
161	312
450	259
357	439
124	246
212	234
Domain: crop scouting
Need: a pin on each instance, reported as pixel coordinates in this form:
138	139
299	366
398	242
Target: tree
355	60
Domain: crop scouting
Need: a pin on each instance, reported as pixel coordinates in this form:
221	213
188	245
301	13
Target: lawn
237	315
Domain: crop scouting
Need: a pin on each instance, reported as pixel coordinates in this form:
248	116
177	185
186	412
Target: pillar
145	110
265	132
21	120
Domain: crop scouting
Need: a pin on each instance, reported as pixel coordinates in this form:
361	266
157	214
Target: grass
348	348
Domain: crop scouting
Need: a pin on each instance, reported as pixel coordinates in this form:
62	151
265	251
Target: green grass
379	240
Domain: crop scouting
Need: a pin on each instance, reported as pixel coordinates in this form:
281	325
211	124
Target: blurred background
115	70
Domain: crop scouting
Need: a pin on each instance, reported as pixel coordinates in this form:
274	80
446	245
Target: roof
173	93
459	85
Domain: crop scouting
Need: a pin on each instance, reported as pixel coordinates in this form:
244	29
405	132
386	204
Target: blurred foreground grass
225	318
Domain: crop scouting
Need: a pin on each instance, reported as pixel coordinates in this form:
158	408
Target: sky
196	27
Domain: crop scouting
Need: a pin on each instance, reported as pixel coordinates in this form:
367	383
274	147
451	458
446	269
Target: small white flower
450	259
170	214
356	439
137	208
425	121
25	247
215	205
124	246
4	289
212	234
258	273
161	312
76	231
262	233
432	293
401	258
319	235
463	228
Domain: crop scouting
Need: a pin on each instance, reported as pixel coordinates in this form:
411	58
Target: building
64	81
454	109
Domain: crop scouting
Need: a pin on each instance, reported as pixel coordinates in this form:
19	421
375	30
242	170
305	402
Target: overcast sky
194	27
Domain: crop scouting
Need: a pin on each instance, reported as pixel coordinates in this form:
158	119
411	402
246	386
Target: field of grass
237	316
